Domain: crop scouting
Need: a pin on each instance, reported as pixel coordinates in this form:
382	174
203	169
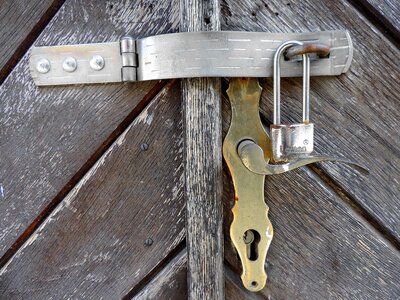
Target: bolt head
43	66
97	62
69	64
148	242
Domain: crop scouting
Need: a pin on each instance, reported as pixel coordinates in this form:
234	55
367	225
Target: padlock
291	141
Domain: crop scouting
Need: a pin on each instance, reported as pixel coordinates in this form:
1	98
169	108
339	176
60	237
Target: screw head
97	62
43	66
144	147
69	64
148	242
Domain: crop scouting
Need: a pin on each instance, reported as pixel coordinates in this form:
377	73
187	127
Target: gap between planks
30	38
169	273
379	21
352	203
44	214
178	250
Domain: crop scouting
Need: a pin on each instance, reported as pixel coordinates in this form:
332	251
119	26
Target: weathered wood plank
171	283
201	102
357	114
321	249
48	134
235	290
94	245
20	23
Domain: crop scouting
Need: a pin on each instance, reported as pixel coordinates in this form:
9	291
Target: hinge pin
129	58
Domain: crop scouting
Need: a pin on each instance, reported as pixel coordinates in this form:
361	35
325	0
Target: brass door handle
252	157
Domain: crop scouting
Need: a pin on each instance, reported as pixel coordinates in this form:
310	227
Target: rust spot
320	49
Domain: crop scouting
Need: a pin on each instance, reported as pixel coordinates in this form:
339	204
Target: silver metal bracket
184	55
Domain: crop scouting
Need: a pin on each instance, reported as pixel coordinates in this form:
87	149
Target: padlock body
291	141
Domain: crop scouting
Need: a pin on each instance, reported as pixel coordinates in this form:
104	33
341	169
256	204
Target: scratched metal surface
187	55
234	54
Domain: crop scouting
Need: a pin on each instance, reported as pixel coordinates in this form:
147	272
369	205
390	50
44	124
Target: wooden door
92	177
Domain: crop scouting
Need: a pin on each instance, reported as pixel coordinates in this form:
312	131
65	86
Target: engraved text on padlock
292	141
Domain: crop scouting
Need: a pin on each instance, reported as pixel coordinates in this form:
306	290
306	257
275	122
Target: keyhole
251	238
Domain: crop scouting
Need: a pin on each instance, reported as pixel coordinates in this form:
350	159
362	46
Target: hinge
129	59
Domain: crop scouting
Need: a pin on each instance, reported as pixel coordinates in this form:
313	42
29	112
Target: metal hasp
247	152
187	55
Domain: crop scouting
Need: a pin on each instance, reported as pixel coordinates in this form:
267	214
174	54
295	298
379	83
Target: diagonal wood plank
235	289
118	223
321	249
356	115
171	283
20	23
49	134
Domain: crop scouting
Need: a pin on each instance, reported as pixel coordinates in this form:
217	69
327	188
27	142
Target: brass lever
252	157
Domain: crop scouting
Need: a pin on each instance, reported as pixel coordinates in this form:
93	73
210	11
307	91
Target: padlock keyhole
251	238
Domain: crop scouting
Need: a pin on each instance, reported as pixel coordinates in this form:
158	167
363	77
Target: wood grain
235	290
93	245
170	283
321	248
201	102
20	23
356	115
48	134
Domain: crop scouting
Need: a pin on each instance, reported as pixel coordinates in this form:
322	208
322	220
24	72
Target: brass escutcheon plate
251	231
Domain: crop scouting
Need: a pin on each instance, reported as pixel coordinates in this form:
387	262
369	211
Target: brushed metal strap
189	54
83	54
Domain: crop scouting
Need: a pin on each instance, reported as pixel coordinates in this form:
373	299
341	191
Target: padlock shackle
277	82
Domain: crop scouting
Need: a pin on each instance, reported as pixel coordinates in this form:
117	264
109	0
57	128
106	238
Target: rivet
148	242
97	62
144	147
69	64
43	66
